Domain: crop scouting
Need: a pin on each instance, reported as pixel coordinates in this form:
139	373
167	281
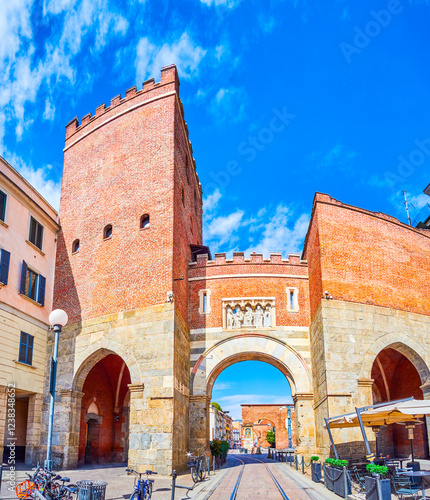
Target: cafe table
422	474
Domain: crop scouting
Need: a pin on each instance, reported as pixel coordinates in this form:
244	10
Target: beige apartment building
28	229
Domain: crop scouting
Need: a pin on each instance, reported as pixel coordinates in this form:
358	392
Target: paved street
256	482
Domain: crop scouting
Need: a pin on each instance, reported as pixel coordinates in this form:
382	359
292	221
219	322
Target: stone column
65	436
34	426
3	412
305	424
199	423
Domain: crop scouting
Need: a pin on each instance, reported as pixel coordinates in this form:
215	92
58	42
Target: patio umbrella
382	414
390	413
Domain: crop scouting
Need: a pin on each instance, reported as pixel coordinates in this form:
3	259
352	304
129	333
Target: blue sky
250	382
282	98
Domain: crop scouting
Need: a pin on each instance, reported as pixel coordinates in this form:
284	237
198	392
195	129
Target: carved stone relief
251	313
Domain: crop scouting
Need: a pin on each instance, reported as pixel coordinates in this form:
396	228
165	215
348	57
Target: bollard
296	462
345	481
1	474
213	464
303	465
173	484
208	465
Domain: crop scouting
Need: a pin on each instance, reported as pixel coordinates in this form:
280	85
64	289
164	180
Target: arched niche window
75	246
107	231
144	221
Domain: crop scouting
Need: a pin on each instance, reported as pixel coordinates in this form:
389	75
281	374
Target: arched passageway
397	373
104	419
256	348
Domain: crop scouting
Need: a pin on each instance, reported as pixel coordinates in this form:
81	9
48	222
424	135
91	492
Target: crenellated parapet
275	258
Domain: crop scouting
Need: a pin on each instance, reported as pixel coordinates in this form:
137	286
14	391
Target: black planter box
334	480
372	490
316	472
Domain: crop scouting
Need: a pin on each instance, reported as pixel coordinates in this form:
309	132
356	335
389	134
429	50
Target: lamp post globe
58	317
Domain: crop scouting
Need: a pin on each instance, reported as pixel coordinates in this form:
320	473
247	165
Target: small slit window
144	221
75	246
204	301
107	231
187	169
292	299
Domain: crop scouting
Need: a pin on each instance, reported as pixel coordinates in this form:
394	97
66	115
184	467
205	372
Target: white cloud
229	104
276	235
223	228
265	232
39	178
150	58
223	3
26	72
211	201
49	113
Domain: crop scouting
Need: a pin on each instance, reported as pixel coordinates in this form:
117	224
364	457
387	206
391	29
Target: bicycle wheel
204	467
134	495
194	474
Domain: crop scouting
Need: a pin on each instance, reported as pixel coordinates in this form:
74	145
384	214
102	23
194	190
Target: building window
292	299
2	206
32	285
204	301
75	246
4	266
26	348
36	233
107	232
144	221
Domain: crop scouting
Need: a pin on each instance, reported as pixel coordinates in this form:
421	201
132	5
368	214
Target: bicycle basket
191	463
25	489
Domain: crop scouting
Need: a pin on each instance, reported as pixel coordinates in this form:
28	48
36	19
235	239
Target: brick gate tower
130	209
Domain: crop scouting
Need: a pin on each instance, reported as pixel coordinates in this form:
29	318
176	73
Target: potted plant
336	478
376	482
315	469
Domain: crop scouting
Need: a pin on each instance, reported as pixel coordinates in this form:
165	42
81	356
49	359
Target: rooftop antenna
407	207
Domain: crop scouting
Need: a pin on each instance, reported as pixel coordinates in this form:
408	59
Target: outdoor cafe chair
357	477
403	487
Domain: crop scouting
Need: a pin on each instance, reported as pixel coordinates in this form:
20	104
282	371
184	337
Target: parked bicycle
143	487
198	466
46	485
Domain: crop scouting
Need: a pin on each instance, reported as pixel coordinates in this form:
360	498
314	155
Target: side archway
404	345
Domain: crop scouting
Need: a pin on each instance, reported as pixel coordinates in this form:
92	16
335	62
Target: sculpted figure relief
258	316
237	317
249	316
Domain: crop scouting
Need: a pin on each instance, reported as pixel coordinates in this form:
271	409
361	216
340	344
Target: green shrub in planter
314	458
377	469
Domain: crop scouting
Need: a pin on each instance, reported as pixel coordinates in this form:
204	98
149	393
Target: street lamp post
57	319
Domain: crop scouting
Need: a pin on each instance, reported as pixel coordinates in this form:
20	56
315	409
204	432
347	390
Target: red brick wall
239	286
251	414
366	257
119	165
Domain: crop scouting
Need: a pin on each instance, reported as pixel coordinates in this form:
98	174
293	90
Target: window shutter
23	277
41	293
4	266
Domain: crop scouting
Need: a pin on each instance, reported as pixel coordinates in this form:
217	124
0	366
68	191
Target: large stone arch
95	352
250	347
405	345
243	348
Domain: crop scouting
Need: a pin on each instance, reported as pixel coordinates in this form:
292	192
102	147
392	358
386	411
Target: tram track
275	481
